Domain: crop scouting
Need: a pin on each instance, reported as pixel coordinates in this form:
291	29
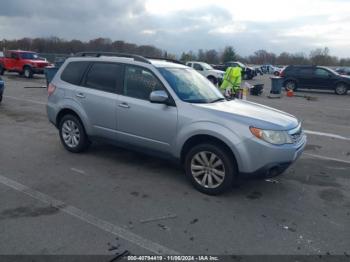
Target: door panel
99	97
306	77
323	79
141	122
101	110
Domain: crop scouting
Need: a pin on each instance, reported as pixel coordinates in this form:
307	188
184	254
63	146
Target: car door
305	77
11	60
98	97
140	122
324	79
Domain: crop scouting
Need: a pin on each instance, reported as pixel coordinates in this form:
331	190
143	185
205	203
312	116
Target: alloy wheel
70	134
207	169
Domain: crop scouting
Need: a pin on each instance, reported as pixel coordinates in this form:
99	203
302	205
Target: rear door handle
80	95
124	105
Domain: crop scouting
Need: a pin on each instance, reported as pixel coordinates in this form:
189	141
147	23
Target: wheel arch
201	139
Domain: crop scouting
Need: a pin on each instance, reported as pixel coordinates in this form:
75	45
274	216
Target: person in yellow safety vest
232	81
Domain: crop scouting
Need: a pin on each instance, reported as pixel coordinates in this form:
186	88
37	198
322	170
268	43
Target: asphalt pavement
109	200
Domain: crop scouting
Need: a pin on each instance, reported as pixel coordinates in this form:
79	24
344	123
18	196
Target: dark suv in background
315	77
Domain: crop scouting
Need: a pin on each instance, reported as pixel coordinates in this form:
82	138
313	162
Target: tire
212	79
210	180
290	85
341	89
28	72
0	98
2	70
72	134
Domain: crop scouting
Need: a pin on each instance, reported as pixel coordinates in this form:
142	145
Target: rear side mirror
159	97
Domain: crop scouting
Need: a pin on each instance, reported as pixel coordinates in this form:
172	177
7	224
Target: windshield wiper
217	100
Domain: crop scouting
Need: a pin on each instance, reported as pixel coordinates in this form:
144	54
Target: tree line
319	56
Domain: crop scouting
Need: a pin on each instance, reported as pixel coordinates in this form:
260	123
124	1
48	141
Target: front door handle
124	105
80	95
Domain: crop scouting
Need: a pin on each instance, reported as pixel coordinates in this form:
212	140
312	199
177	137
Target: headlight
271	136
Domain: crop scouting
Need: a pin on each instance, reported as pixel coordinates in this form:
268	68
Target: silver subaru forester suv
167	108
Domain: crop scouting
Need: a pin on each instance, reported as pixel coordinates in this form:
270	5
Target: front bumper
264	159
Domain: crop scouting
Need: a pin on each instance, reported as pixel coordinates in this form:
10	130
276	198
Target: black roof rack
98	54
165	59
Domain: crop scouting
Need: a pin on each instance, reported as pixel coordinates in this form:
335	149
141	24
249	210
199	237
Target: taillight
51	89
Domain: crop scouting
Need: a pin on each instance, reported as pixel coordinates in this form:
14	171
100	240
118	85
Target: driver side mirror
159	97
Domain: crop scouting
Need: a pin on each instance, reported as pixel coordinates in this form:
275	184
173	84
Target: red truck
25	63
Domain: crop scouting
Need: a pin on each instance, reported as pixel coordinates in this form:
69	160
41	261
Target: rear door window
305	71
320	72
104	76
74	71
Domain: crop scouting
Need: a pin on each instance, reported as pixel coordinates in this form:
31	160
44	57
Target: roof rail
98	54
165	59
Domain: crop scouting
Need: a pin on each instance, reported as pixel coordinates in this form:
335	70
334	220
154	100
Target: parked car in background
215	76
247	72
343	70
172	111
2	87
315	77
23	62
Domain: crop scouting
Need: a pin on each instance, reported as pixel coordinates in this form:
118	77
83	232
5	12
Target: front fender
226	135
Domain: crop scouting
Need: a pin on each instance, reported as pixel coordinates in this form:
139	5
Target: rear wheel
210	168
0	98
72	134
2	70
290	85
28	72
341	89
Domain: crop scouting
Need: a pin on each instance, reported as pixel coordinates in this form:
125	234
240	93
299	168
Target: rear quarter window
74	71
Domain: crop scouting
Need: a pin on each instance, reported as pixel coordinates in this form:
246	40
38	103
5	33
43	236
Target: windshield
333	71
191	86
31	56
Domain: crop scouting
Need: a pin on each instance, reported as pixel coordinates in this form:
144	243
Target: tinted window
321	72
140	82
305	71
197	67
14	55
103	76
73	73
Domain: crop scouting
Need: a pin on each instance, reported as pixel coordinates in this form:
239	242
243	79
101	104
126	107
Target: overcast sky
183	25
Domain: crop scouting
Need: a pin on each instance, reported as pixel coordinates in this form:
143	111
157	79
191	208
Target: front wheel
341	89
210	168
72	134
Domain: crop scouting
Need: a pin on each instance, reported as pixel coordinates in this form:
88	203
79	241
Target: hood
346	77
252	114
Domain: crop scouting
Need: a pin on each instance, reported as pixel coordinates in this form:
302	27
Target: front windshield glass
191	86
31	56
333	71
